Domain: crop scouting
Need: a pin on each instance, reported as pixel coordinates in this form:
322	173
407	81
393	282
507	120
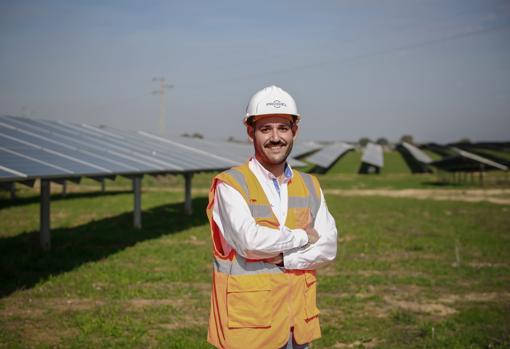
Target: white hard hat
271	100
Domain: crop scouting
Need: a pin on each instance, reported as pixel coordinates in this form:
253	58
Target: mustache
275	143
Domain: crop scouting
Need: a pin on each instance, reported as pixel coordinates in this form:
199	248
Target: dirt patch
377	310
346	238
329	270
475	297
186	323
34	334
496	196
173	287
143	303
37	334
193	240
400	256
437	309
366	343
480	265
332	316
72	304
35	308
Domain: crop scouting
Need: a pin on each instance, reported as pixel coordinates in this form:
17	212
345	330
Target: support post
64	188
103	186
482	170
137	211
188	206
13	191
44	229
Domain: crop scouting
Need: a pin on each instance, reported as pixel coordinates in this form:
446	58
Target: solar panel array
373	155
31	148
328	155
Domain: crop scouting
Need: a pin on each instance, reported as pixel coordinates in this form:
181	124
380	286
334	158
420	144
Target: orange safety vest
254	304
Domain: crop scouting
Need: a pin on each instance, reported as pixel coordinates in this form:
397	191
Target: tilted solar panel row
373	155
40	148
328	155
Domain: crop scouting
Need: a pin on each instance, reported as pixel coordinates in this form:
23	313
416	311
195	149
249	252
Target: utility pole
162	102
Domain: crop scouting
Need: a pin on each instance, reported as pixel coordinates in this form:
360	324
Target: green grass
350	163
409	273
432	155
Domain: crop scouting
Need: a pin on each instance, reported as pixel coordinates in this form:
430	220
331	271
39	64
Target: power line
354	59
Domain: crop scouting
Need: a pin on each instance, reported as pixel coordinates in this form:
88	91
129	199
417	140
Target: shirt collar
287	172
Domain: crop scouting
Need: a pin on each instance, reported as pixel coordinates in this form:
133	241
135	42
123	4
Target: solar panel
73	138
128	149
235	152
373	155
7	174
51	148
481	159
328	155
188	157
417	153
304	148
155	159
25	147
29	164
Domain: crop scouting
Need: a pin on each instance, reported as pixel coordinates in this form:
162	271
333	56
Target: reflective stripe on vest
240	266
311	201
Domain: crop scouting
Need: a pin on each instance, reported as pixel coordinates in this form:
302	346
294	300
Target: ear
295	129
250	130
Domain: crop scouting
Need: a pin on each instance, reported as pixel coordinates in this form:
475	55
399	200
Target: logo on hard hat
276	104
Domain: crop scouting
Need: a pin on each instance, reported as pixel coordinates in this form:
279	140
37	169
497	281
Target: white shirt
240	231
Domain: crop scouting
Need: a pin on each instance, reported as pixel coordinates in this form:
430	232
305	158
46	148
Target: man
271	229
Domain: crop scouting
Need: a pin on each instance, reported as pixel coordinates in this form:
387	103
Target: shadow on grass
22	266
448	184
6	202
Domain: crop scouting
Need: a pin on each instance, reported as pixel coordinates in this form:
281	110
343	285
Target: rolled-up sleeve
240	230
321	252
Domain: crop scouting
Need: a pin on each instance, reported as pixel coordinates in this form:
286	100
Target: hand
313	235
278	260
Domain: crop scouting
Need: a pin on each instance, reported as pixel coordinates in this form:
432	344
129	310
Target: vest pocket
311	309
249	301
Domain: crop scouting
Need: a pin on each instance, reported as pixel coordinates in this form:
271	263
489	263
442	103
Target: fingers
310	219
313	235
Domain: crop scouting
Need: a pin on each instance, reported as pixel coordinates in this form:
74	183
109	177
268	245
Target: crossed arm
305	248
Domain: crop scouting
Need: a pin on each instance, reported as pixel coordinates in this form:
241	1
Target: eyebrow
277	124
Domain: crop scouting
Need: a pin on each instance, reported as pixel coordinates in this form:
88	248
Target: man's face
273	137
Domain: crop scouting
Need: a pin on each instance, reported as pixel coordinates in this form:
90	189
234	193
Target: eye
265	129
284	128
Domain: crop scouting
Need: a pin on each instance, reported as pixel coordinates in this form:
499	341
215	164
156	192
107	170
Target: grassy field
410	273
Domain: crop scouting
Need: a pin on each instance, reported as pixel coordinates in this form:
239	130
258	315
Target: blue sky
436	69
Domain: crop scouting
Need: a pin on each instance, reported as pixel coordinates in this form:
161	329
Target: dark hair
249	120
